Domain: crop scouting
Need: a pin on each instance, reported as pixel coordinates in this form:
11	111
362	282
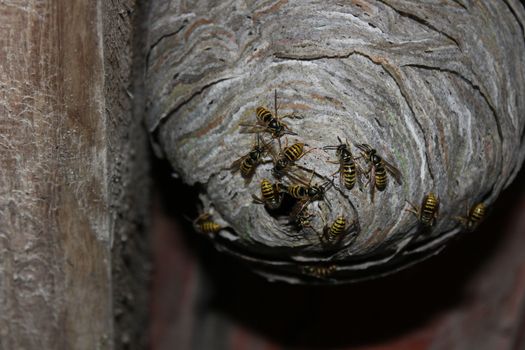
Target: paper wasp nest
435	87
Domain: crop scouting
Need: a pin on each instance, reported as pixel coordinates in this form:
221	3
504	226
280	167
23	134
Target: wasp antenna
328	182
313	149
363	147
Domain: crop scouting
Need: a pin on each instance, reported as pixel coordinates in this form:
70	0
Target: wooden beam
67	137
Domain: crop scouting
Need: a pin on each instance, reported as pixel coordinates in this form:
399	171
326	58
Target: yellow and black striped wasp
249	162
286	159
306	193
335	232
319	271
301	220
428	212
269	122
272	195
349	171
474	217
204	224
378	169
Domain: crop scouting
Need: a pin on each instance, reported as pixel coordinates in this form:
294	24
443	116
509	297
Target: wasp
378	169
294	152
249	162
269	122
306	193
334	233
348	169
204	224
475	215
287	158
301	220
429	210
318	271
271	194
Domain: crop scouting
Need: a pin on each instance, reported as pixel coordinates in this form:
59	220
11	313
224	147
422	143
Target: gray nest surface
437	88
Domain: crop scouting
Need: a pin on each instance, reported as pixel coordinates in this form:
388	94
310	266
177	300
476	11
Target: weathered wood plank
69	150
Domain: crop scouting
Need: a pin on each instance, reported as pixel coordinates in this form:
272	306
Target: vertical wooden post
72	161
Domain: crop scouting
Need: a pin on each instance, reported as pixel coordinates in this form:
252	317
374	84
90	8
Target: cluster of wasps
292	181
428	213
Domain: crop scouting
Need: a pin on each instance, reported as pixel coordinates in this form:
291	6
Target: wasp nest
388	126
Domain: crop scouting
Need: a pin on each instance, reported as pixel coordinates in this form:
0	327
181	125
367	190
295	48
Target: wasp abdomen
381	178
429	209
209	227
271	194
337	228
319	271
298	191
294	152
477	214
264	115
267	189
247	167
349	175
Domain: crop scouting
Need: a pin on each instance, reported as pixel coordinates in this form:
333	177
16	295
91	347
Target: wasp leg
462	220
304	153
333	162
413	210
305	169
292	116
257	199
359	172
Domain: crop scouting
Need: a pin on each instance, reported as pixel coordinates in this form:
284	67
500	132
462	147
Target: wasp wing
236	165
372	182
396	174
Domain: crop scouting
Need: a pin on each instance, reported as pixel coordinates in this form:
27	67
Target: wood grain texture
66	133
436	87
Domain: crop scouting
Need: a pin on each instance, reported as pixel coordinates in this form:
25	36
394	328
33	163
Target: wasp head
315	192
256	154
341	149
279	166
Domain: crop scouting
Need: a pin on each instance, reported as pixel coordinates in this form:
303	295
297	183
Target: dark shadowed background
471	296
